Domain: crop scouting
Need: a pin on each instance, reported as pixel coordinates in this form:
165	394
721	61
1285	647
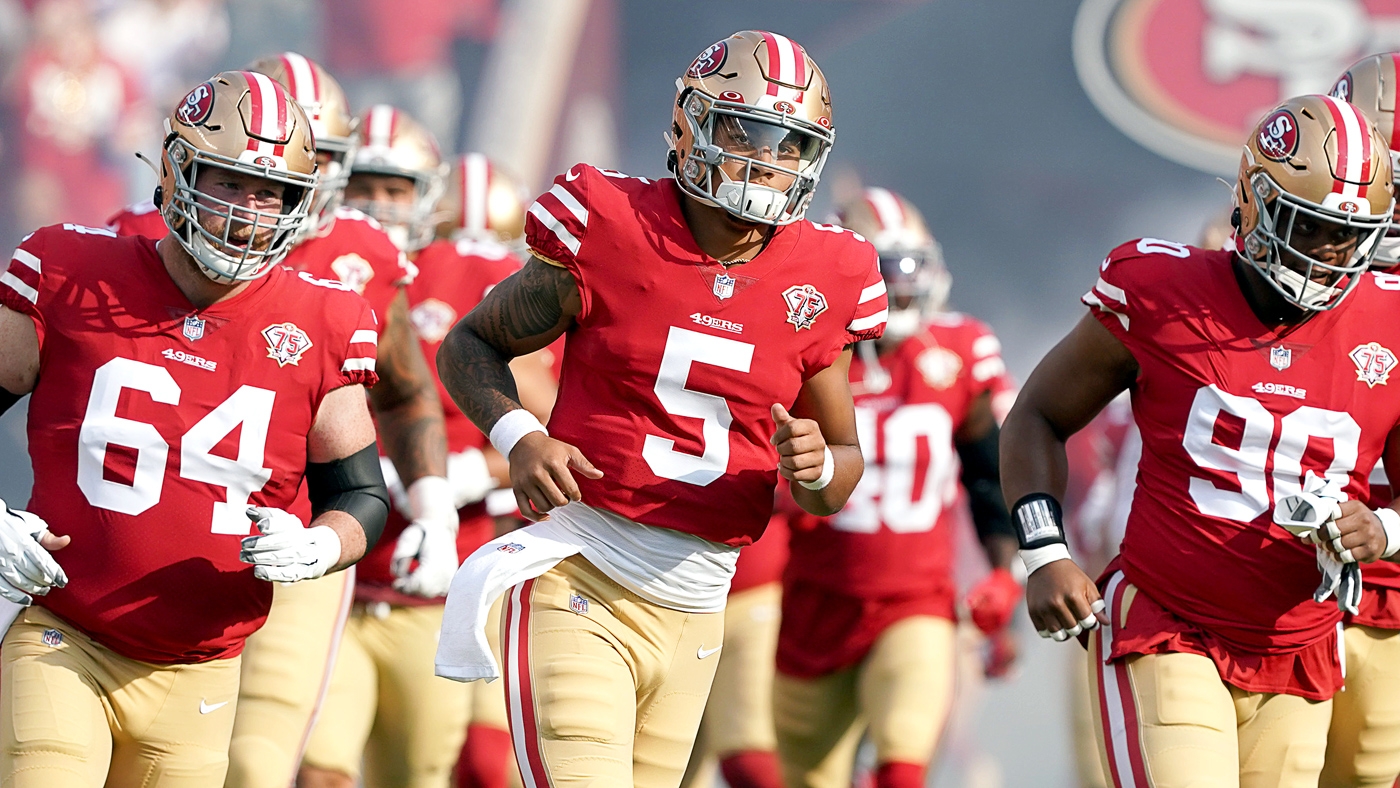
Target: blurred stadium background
1035	136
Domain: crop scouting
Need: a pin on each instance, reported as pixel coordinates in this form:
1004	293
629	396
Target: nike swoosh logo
702	652
205	708
571	175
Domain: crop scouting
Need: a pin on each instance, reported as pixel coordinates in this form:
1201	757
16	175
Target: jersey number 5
684	348
249	406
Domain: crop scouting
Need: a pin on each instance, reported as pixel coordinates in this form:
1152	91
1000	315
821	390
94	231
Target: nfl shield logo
578	604
724	286
512	547
194	327
52	637
1280	357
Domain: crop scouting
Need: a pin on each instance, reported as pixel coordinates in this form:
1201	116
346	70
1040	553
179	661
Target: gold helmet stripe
1353	149
476	178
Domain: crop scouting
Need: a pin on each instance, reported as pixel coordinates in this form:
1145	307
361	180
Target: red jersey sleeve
355	344
142	219
1125	285
557	223
23	287
988	372
868	319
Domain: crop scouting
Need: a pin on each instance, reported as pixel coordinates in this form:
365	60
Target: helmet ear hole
1235	219
671	161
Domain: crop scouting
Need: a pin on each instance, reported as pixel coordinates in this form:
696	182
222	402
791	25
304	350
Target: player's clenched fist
1063	601
801	447
285	550
541	477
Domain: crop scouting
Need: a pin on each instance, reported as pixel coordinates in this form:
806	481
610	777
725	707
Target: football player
1255	374
1363	742
709	331
286	667
385	708
868	632
182	391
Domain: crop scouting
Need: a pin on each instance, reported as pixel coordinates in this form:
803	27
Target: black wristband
1040	522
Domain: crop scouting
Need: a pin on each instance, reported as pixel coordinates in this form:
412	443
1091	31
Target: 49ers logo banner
1189	79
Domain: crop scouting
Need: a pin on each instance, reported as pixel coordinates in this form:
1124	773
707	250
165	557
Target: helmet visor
753	138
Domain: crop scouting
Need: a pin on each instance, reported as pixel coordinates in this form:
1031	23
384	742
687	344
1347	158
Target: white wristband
828	471
1390	523
1040	556
513	426
430	500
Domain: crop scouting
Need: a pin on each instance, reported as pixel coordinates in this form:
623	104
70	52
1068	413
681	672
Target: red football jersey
894	537
452	279
1233	414
675	360
154	425
141	219
357	253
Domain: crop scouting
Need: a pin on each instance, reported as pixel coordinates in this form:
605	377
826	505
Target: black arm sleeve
981	475
8	399
354	485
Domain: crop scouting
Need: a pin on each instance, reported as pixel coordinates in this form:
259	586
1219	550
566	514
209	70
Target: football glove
430	540
993	601
1307	515
285	550
26	568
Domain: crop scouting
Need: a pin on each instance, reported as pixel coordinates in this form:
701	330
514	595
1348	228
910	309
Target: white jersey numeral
684	348
1257	428
249	406
1158	246
886	490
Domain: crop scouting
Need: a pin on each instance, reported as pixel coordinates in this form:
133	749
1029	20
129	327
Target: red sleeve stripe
872	292
364	335
871	321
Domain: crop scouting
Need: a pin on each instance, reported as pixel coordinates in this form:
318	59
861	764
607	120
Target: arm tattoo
524	313
406	402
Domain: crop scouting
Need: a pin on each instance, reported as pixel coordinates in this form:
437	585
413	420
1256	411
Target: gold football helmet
482	202
752	127
392	143
911	261
332	123
1314	164
1370	85
246	122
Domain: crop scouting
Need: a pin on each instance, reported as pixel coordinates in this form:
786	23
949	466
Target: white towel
502	563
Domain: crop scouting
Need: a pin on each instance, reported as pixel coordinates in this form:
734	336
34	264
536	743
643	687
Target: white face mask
1309	294
1387	252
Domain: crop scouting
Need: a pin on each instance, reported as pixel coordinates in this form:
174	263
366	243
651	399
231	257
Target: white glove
431	539
288	551
397	495
26	568
1308	515
471	480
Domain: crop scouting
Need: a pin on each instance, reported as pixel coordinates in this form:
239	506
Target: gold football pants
1363	744
286	671
74	714
1169	721
902	692
603	688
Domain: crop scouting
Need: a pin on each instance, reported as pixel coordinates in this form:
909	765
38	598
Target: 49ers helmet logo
197	105
709	61
1342	90
1278	136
